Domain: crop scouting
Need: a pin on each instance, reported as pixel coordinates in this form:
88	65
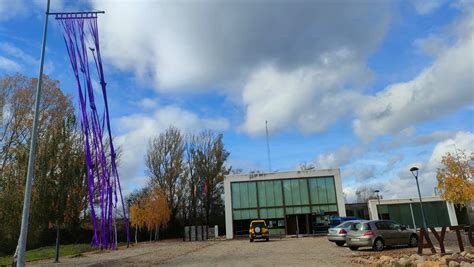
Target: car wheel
353	248
340	243
378	245
413	241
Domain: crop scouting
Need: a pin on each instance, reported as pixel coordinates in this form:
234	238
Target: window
383	225
344	224
258	224
322	190
269	193
244	195
361	227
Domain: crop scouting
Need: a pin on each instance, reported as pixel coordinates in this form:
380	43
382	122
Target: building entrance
298	224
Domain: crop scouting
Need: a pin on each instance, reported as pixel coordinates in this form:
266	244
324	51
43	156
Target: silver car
338	233
380	234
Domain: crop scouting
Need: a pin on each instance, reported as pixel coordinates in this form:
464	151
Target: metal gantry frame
21	248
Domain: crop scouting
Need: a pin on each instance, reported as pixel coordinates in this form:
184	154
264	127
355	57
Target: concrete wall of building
278	176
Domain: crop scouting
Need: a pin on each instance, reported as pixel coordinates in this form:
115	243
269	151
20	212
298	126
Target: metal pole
378	213
56	259
31	158
268	148
412	217
421	203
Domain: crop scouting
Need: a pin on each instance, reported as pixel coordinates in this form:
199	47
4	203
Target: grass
49	253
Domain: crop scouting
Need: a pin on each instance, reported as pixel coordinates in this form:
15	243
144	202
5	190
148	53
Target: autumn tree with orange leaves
455	180
150	212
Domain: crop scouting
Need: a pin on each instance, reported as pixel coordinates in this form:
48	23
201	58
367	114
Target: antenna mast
268	148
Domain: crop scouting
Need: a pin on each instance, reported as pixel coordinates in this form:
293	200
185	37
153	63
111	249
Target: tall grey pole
421	203
412	217
31	157
268	148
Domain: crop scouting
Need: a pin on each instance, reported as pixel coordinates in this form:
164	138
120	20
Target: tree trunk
156	233
207	207
56	259
136	233
115	226
151	235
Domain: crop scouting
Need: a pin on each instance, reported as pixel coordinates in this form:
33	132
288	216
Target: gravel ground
308	251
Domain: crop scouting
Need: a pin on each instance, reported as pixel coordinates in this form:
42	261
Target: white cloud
403	184
186	44
432	45
442	88
462	140
148	102
12	8
9	65
16	52
288	71
139	128
425	7
306	97
435	136
395	181
338	157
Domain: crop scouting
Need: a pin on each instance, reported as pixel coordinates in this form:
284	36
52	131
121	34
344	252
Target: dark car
379	234
338	233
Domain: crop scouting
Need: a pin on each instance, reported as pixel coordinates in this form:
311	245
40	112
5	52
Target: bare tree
304	166
209	157
364	193
165	165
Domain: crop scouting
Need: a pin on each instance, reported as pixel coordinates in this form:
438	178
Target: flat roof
406	200
281	175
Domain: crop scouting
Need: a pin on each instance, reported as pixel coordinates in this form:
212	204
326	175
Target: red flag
205	188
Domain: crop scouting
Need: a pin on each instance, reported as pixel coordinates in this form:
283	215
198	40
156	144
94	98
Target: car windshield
258	224
360	227
344	225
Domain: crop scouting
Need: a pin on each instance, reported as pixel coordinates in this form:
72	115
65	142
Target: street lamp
414	171
378	198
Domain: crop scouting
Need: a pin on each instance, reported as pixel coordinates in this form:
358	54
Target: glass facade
436	213
273	199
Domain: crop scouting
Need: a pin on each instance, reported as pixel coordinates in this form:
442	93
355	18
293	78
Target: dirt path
309	251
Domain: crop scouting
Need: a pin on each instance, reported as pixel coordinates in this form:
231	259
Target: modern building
298	202
359	210
437	211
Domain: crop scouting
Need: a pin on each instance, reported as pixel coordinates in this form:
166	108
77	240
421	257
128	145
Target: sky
370	87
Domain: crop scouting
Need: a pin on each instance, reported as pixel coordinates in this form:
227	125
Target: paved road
308	251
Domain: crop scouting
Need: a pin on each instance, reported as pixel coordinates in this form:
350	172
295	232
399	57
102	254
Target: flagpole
31	158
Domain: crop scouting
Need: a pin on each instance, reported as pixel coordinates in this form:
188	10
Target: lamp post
414	171
378	199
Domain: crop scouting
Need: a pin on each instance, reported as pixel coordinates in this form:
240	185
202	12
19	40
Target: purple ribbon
102	174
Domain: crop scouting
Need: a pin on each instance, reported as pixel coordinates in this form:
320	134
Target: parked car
380	234
335	221
258	230
338	233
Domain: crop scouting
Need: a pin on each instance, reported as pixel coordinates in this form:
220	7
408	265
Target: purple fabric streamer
102	175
